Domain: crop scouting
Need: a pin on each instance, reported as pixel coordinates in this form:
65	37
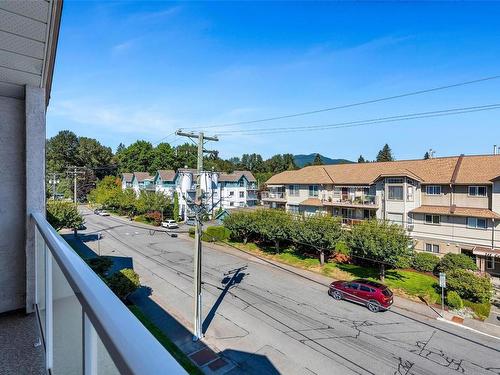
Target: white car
170	224
103	213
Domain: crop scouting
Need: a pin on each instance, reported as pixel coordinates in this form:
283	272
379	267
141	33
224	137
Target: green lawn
403	282
166	342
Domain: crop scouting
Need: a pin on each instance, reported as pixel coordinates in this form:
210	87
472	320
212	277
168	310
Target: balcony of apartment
364	201
253	186
273	196
78	326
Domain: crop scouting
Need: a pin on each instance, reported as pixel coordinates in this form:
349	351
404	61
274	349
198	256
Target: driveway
256	308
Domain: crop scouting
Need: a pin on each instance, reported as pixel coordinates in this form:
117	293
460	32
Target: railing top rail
133	349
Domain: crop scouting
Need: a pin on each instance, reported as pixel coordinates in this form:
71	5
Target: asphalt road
287	324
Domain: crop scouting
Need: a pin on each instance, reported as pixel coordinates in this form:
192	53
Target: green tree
185	156
137	157
385	154
62	214
381	242
427	155
274	226
176	207
361	159
242	225
62	151
317	160
163	158
92	154
319	232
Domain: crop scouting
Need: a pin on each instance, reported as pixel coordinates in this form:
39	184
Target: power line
380	120
344	106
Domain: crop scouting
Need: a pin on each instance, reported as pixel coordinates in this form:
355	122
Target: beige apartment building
449	204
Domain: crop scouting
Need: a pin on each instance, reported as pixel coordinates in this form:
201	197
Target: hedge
454	301
425	262
456	262
470	286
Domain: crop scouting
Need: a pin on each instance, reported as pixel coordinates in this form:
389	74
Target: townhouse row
449	204
219	190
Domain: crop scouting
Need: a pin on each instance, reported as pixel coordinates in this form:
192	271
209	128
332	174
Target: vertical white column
49	312
89	347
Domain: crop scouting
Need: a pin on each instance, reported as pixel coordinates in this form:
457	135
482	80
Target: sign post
442	284
99	243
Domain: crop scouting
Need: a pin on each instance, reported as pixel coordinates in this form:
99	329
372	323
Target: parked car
169	224
373	295
103	213
97	211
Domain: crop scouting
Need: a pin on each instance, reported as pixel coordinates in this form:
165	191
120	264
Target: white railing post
49	312
89	347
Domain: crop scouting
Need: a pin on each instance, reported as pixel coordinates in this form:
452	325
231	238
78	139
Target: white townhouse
449	204
126	179
141	181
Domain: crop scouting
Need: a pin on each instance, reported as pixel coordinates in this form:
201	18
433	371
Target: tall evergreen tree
385	154
317	160
361	159
427	156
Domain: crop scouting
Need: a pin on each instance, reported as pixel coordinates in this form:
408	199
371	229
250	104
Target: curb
466	327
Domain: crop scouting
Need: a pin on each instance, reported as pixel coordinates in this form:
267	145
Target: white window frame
294	190
394	180
473	191
410	193
315	190
432	247
395	199
472	223
433	190
242	194
432	216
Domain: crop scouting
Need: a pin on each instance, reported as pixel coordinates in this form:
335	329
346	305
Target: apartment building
449	204
220	190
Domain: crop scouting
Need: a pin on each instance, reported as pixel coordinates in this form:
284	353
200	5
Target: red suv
374	295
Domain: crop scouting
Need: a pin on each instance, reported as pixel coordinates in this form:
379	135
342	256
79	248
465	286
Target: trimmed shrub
456	262
62	214
454	301
425	262
217	233
100	265
481	310
124	282
192	232
470	286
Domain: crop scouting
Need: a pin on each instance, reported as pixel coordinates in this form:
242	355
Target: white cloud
124	46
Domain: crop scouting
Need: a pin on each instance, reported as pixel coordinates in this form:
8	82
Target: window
477	191
293	209
432	219
313	190
432	248
490	263
394	180
474	222
231	204
242	194
293	190
409	193
364	288
352	286
433	190
396	193
242	183
231	193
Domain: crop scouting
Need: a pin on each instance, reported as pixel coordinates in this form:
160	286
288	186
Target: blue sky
140	70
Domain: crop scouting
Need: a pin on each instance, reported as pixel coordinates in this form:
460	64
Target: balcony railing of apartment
363	200
253	186
267	195
150	187
86	329
350	222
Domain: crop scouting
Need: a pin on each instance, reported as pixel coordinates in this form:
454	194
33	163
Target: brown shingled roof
127	177
314	202
236	175
473	169
167	174
141	176
456	211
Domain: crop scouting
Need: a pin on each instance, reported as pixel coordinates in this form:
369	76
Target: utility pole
54	181
75	172
198	203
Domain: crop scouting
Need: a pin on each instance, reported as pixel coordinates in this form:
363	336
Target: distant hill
301	160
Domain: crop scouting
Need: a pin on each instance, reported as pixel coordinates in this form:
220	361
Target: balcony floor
18	355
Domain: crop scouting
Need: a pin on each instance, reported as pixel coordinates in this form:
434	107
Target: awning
486	251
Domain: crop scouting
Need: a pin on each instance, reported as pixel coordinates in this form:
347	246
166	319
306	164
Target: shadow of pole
230	282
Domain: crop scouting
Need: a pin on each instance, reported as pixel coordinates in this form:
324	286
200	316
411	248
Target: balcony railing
350	222
363	200
86	329
272	195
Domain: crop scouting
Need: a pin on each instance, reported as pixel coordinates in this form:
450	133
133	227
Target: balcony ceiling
28	39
